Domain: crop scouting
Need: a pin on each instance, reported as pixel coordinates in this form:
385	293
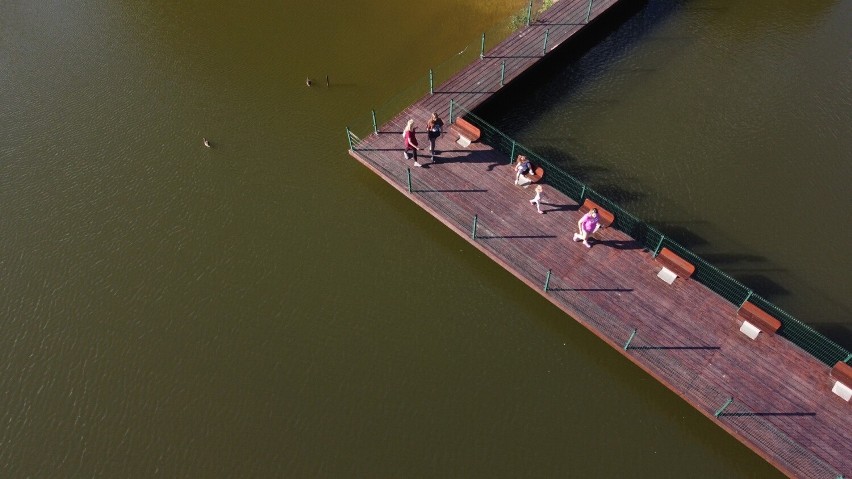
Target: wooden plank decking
686	336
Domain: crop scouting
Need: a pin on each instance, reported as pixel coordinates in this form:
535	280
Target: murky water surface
269	308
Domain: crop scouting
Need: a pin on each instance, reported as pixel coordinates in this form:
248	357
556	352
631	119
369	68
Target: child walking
537	200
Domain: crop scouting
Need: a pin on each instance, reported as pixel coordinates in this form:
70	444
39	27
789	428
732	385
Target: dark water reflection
725	124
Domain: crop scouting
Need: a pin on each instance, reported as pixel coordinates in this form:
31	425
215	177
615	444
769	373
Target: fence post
473	230
589	11
431	89
408	170
724	406
659	244
502	72
632	335
375	125
482	48
583	194
512	155
529	13
750	292
349	137
547	281
451	110
546	33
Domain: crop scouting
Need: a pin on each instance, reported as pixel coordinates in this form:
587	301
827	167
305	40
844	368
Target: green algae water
267	307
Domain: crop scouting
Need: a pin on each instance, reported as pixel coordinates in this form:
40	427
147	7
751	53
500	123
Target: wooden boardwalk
778	397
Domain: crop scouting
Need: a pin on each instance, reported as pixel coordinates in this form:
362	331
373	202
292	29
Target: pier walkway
770	394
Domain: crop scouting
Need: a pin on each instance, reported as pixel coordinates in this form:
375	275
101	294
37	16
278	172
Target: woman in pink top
587	225
409	137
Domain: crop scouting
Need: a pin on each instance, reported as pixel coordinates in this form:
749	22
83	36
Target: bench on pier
756	320
673	266
842	374
605	218
534	176
466	131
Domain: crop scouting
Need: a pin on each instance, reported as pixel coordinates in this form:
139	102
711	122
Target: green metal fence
653	240
678	370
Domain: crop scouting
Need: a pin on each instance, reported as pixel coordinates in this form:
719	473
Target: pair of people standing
434	128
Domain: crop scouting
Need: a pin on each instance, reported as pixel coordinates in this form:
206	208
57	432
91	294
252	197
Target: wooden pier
768	393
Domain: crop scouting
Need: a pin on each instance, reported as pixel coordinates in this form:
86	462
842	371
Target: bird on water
205	142
308	82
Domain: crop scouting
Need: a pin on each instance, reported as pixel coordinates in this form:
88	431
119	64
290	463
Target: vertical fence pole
349	137
748	297
583	194
589	11
473	229
512	155
451	110
502	72
632	335
431	89
375	125
529	13
482	48
547	281
408	170
724	406
659	244
546	33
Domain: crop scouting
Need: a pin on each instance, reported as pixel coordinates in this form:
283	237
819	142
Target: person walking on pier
537	200
588	225
409	137
433	131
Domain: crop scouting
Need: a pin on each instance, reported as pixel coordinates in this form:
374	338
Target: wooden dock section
768	393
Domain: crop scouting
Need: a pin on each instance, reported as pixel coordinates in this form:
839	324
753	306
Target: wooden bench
673	266
756	320
842	373
466	131
534	177
605	218
537	174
